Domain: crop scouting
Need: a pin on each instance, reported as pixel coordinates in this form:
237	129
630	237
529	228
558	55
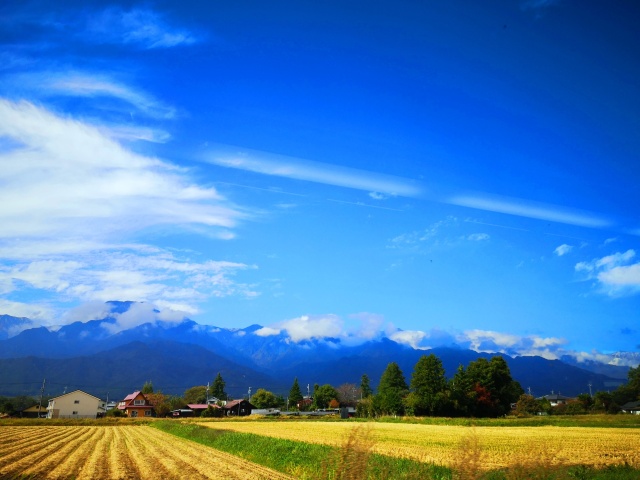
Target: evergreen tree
391	391
630	391
217	389
461	393
428	383
147	387
295	394
365	387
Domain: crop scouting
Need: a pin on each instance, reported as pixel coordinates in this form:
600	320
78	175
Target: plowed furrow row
211	463
65	449
146	460
120	463
36	440
97	463
118	453
34	453
77	455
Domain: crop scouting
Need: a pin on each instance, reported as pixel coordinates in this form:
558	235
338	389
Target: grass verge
355	460
306	460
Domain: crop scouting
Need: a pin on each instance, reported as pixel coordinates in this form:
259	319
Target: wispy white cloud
142	313
39	313
72	201
306	327
529	209
45	84
500	342
140	27
412	338
478	237
378	196
441	234
615	273
563	249
378	186
295	168
539	4
74	182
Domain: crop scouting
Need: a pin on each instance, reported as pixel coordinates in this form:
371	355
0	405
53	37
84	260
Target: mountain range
102	359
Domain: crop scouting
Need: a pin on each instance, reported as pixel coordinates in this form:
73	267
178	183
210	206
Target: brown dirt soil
116	452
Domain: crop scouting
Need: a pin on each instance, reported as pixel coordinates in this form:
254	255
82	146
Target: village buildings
76	404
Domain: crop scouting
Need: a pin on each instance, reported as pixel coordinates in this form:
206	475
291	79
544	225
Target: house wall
75	405
141	410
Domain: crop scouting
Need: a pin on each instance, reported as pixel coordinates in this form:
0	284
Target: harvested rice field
115	452
494	447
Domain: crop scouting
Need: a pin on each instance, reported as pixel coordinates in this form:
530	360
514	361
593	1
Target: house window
147	413
134	413
76	401
138	402
74	413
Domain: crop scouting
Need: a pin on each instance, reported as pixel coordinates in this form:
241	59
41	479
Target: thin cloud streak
83	84
289	167
529	209
328	174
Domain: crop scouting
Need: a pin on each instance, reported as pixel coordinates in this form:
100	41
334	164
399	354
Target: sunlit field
115	452
442	444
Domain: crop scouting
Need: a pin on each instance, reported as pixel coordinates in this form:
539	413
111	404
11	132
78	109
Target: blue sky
436	172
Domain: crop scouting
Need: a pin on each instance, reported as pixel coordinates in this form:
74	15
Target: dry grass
488	448
350	462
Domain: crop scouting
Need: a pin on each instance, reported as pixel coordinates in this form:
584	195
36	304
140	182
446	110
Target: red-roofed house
136	405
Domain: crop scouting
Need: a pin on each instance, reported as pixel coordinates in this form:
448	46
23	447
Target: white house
77	404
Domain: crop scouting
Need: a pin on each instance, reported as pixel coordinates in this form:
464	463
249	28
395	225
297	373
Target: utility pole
249	394
590	390
207	393
41	393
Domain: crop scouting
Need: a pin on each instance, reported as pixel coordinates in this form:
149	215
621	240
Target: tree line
484	388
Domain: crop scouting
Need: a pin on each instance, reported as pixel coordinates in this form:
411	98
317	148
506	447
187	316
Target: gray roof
631	406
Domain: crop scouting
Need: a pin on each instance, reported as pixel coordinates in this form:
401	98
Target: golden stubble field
496	447
115	452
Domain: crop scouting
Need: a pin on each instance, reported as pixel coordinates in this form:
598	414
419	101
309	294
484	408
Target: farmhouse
77	404
555	399
192	410
238	408
36	411
631	407
136	404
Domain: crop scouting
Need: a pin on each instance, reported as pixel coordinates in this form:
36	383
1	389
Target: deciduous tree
324	395
196	394
348	394
264	399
